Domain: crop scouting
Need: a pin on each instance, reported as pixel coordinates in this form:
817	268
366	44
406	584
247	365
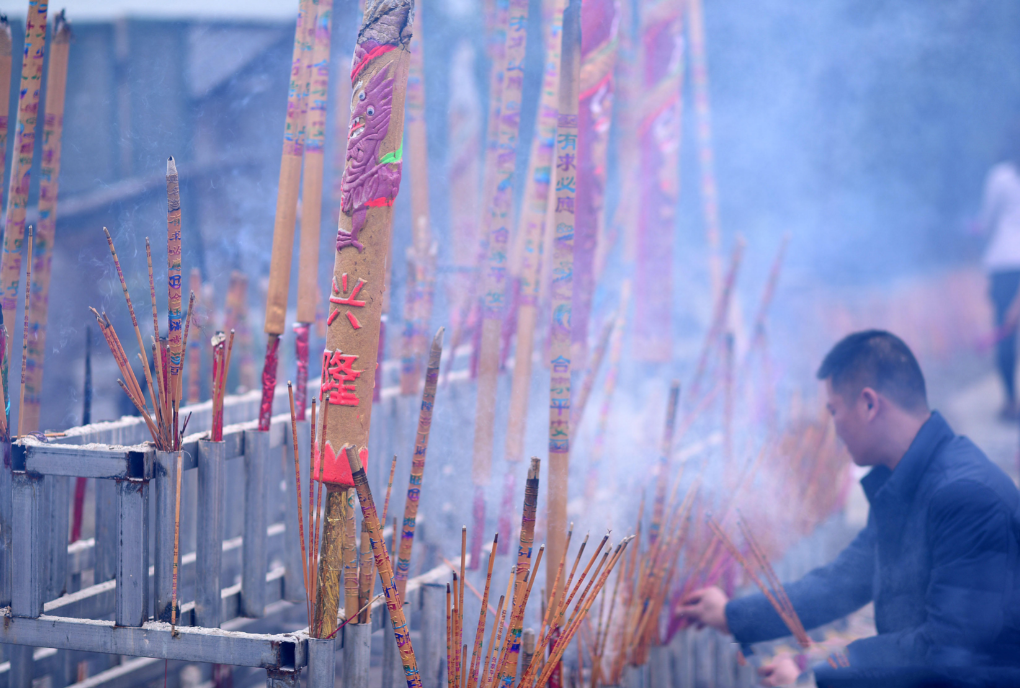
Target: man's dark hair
879	360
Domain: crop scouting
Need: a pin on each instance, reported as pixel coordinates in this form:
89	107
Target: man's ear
871	400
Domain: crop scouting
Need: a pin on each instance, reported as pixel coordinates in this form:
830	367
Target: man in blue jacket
939	557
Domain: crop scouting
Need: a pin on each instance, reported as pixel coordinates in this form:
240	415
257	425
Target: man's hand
781	672
707	607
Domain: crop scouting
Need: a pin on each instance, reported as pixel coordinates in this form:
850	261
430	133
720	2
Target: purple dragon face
370	109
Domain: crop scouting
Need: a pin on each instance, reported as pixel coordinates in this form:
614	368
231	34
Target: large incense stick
53	125
6	49
496	263
561	291
286	206
24	150
421	445
421	253
662	468
25	337
659	139
379	78
311	196
382	562
174	273
530	232
706	157
594	112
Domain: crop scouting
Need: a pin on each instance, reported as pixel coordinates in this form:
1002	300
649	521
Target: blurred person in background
939	556
1000	220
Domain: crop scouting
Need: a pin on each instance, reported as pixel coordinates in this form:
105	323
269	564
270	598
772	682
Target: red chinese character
349	300
339	377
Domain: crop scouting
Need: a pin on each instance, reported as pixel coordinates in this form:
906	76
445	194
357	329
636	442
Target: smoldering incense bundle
56	84
21	161
494	279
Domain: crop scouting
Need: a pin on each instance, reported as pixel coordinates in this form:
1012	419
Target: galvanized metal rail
240	557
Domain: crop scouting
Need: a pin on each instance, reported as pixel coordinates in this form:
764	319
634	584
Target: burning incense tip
171	166
352	458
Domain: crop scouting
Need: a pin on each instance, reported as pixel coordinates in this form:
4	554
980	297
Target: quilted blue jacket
939	557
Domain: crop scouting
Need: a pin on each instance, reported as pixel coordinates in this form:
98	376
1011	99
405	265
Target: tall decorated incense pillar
371	179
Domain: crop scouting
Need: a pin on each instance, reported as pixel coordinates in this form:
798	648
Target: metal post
704	660
684	642
209	552
165	471
357	654
321	663
233	501
293	582
132	594
433	634
189	492
6	514
725	662
282	678
60	503
253	577
661	672
106	530
27	584
22	666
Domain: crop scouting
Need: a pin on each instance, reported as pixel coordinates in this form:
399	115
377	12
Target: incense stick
297	485
24	336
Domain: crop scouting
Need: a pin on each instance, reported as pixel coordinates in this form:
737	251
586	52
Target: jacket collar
901	483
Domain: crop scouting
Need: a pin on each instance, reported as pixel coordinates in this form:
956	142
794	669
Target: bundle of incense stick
162	422
720	315
222	348
561	622
764	576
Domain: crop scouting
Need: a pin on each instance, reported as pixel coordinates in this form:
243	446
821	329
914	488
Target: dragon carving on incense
369	180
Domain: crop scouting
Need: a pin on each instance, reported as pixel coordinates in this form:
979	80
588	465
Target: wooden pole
53	125
496	264
561	292
21	161
421	254
529	236
421	445
379	79
595	110
401	630
286	205
659	137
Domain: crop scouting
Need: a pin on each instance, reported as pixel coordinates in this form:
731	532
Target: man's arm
970	529
823	595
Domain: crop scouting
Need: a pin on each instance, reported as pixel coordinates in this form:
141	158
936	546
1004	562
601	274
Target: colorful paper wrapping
21	160
594	112
659	136
42	252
